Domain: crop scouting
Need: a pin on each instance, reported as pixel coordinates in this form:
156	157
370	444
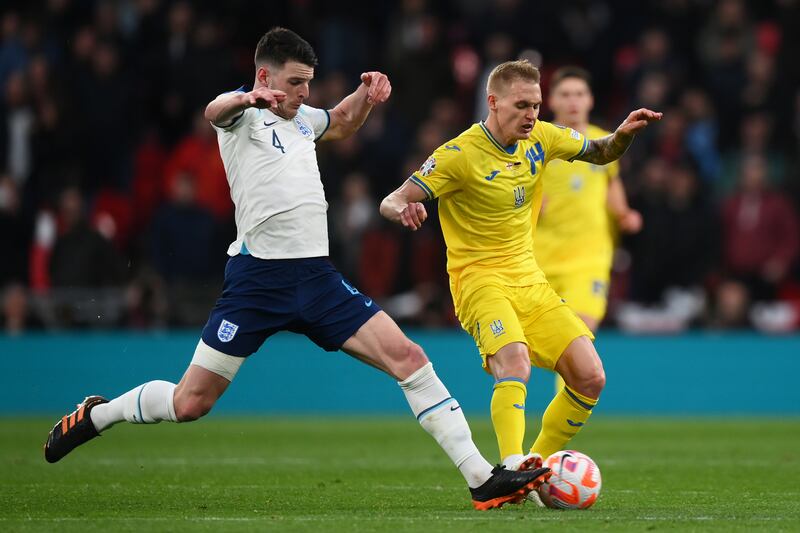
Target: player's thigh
379	342
549	325
489	315
581	367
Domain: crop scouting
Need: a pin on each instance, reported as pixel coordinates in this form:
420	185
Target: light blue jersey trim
244	250
583	149
432	408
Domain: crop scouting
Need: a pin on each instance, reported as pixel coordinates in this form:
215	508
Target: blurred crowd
115	212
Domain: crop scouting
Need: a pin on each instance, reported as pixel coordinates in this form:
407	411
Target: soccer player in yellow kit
488	181
583	204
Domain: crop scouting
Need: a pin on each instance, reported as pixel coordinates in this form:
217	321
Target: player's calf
189	407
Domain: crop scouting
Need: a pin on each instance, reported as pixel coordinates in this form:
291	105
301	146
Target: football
575	483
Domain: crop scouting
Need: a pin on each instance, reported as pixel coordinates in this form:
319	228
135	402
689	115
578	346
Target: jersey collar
507	149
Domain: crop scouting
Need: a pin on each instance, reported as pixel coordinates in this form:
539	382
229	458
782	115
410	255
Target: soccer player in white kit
278	277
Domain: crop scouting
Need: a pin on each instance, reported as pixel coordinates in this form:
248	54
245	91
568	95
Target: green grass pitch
372	474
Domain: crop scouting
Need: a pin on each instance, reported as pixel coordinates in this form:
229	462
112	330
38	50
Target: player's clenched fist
264	98
413	215
378	86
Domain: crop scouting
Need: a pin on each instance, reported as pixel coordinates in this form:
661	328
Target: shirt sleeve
239	119
442	172
318	119
563	143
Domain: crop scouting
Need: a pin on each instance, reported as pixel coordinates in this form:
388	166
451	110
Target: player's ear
492	100
262	74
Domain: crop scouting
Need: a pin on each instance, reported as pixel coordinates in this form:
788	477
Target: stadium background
114	209
115	213
115	217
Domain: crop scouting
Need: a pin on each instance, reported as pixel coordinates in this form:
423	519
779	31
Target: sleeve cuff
583	150
421	184
232	123
328	125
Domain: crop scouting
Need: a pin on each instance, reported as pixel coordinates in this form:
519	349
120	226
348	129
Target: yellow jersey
574	231
488	195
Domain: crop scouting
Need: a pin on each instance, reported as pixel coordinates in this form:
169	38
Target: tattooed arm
611	147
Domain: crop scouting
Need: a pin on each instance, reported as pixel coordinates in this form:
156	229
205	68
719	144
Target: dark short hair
280	45
570	71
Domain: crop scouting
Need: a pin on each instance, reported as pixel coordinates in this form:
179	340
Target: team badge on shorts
497	328
227	330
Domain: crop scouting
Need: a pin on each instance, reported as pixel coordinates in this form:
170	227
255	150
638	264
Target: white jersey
271	165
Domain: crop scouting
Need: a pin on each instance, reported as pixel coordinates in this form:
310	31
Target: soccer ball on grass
575	483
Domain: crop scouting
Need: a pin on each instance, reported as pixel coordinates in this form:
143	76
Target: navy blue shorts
261	297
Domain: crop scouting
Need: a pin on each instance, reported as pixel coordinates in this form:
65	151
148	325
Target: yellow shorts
586	293
535	315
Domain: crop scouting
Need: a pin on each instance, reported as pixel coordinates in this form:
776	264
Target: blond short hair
511	71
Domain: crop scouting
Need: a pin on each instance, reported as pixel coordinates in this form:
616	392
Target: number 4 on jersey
276	142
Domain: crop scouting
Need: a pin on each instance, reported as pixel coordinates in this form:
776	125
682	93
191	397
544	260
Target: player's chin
291	110
524	132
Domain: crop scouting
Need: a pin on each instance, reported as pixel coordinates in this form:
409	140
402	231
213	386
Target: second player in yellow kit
574	235
584	205
489	183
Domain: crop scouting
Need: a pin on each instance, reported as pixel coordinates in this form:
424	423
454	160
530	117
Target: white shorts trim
215	361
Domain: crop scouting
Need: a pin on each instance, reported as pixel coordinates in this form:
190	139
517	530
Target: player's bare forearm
628	220
606	149
617	201
403	206
611	147
349	115
226	107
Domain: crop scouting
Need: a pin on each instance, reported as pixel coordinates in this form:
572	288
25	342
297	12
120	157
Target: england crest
305	131
227	330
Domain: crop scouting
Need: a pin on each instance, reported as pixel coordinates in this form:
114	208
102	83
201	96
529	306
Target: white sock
442	417
146	404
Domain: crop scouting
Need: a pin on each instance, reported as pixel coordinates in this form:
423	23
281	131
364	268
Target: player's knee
415	356
592	384
405	359
512	362
192	408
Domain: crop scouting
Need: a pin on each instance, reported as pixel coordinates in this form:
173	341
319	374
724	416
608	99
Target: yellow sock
559	382
564	417
508	415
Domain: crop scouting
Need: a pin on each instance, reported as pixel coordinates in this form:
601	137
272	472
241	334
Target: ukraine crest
227	330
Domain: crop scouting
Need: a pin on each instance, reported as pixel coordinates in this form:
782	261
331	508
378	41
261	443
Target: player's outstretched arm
349	115
226	107
611	147
628	220
404	206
